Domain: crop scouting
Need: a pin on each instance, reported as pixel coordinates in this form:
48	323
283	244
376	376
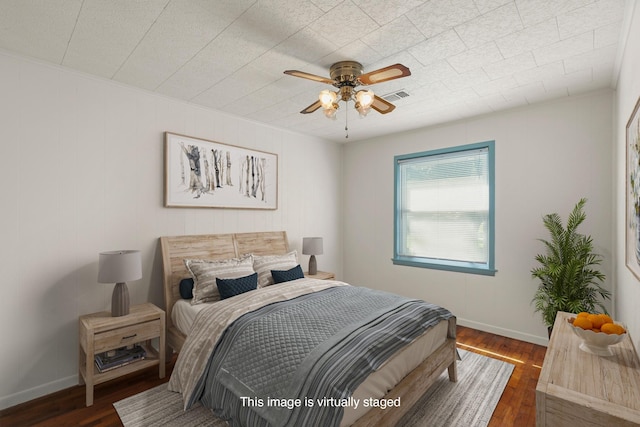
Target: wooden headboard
175	249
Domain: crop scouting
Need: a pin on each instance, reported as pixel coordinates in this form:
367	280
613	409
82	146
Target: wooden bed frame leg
413	386
453	367
453	371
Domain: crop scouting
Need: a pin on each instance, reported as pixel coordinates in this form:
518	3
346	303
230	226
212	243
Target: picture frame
200	173
632	239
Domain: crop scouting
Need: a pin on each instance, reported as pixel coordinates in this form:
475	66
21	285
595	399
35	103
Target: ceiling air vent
395	96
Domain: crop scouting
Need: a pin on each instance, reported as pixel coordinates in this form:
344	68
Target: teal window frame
487	268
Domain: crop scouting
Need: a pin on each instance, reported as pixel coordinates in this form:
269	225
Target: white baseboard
48	388
39	391
509	333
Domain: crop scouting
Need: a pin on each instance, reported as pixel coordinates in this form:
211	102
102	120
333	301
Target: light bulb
327	98
365	98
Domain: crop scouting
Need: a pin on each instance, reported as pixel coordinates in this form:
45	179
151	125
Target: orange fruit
612	328
596	321
583	314
583	322
606	318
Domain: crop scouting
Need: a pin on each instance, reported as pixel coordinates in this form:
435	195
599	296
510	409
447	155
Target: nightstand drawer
127	335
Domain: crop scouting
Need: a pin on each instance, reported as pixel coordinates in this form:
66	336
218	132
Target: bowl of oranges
598	332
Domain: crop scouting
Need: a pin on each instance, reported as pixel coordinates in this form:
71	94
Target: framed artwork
632	252
209	174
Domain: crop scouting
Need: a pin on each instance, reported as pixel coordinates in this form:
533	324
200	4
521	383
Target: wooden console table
576	388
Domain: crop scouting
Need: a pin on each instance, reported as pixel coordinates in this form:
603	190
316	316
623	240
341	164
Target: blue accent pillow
232	287
186	288
280	276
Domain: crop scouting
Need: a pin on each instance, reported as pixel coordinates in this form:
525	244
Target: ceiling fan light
327	98
362	111
330	113
365	98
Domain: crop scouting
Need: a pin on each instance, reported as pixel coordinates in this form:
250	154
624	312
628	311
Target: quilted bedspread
304	341
211	322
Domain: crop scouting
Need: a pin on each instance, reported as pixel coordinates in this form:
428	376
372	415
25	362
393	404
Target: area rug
470	402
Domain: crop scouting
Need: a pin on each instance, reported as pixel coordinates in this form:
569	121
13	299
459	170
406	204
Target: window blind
444	206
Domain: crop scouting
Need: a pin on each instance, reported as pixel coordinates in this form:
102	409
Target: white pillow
204	273
263	264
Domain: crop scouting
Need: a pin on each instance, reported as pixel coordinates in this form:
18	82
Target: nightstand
323	275
99	332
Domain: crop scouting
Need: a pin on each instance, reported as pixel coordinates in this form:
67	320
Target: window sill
460	267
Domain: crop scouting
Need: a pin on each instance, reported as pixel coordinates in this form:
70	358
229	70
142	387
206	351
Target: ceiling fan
346	76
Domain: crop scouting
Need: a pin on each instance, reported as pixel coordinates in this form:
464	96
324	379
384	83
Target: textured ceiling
467	57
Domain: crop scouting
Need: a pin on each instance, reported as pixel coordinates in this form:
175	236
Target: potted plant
569	277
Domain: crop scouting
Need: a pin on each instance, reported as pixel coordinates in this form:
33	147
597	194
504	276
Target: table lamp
119	267
312	246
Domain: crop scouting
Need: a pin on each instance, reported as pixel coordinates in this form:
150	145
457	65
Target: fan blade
311	108
309	76
384	74
381	105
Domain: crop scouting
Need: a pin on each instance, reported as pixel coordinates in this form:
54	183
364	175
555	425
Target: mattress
184	313
378	383
395	369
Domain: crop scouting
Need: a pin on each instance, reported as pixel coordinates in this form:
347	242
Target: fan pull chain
346	120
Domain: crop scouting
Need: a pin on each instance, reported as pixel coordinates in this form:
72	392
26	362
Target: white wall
81	170
548	156
627	297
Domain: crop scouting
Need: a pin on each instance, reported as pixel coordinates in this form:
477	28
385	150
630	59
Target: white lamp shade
119	266
312	245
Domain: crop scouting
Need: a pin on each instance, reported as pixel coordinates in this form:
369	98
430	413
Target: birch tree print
217	171
263	180
252	178
229	182
203	173
217	166
195	182
207	174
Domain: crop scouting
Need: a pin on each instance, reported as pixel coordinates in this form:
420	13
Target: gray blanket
295	362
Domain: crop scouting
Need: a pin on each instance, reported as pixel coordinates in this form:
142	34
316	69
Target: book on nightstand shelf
113	359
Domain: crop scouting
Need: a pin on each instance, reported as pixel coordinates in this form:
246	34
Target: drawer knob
129	337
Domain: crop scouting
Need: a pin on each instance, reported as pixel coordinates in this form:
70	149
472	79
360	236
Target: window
444	209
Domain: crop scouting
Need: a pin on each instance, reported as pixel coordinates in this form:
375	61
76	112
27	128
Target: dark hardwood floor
517	405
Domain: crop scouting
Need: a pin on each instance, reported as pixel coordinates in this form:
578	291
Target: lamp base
313	265
120	300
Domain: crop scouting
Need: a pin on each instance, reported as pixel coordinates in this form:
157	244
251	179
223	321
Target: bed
407	374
